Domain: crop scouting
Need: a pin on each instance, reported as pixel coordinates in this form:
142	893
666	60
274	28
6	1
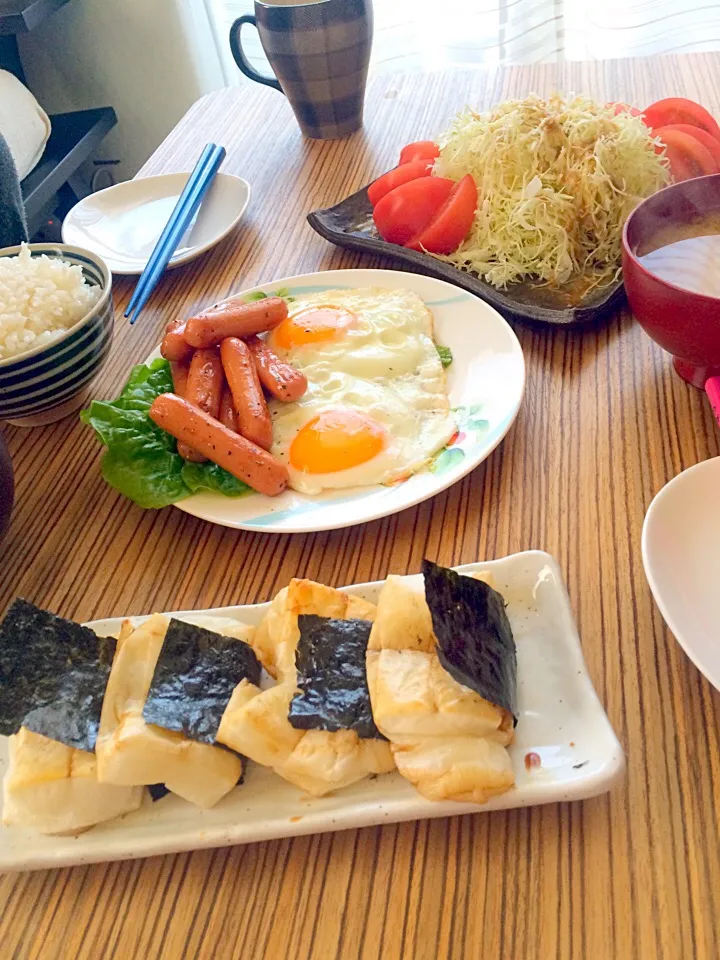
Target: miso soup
687	255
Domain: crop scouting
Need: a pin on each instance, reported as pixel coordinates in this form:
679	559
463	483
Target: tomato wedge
420	150
396	177
406	210
688	157
451	224
676	110
624	108
710	143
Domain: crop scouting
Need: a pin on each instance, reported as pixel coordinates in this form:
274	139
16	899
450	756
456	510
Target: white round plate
681	554
122	224
486	381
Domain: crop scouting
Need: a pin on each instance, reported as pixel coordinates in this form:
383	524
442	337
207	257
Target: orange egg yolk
314	325
336	440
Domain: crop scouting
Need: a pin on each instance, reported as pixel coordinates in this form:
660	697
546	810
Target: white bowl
681	554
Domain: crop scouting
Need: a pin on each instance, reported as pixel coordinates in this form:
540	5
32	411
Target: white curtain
432	34
429	34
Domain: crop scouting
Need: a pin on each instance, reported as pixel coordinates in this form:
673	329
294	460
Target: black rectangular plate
349	224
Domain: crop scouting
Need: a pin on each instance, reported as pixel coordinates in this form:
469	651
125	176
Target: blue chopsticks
185	209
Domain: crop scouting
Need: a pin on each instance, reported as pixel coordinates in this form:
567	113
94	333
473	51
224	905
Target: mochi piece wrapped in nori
330	662
53	674
131	752
475	641
447	740
194	678
53	788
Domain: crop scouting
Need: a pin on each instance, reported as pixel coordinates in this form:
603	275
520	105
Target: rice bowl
40	299
62	353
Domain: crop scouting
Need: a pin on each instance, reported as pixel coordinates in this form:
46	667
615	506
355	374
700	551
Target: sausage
279	378
227	410
233	318
243	459
251	409
179	371
174	345
203	389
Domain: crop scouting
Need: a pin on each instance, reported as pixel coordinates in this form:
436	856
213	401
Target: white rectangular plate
561	720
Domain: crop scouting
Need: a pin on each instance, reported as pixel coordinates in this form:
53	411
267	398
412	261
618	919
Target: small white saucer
122	224
681	554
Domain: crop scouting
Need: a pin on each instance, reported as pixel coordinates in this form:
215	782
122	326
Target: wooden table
605	423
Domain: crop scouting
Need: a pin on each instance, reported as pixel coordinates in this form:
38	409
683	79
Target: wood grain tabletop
604	425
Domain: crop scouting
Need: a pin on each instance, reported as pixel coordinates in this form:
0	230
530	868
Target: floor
431	34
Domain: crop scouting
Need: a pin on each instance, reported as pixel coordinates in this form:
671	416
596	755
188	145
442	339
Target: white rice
40	298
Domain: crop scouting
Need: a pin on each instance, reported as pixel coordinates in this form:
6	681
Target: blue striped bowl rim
75	366
58	396
62	356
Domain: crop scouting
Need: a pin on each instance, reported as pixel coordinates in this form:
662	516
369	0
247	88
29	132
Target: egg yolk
313	325
336	440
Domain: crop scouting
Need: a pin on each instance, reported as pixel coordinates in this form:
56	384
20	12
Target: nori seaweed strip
194	678
330	661
475	641
53	675
157	791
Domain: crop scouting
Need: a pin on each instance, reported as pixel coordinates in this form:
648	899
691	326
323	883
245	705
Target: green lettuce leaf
445	354
141	460
145	383
209	476
283	292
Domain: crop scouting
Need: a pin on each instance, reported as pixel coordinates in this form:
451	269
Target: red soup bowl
684	323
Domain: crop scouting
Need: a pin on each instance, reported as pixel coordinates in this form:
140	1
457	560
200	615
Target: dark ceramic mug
319	50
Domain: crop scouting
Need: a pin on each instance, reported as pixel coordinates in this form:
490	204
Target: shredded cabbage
556	181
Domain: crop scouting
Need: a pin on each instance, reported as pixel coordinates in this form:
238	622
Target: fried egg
376	408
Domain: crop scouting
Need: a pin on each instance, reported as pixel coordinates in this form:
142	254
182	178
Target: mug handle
239	54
